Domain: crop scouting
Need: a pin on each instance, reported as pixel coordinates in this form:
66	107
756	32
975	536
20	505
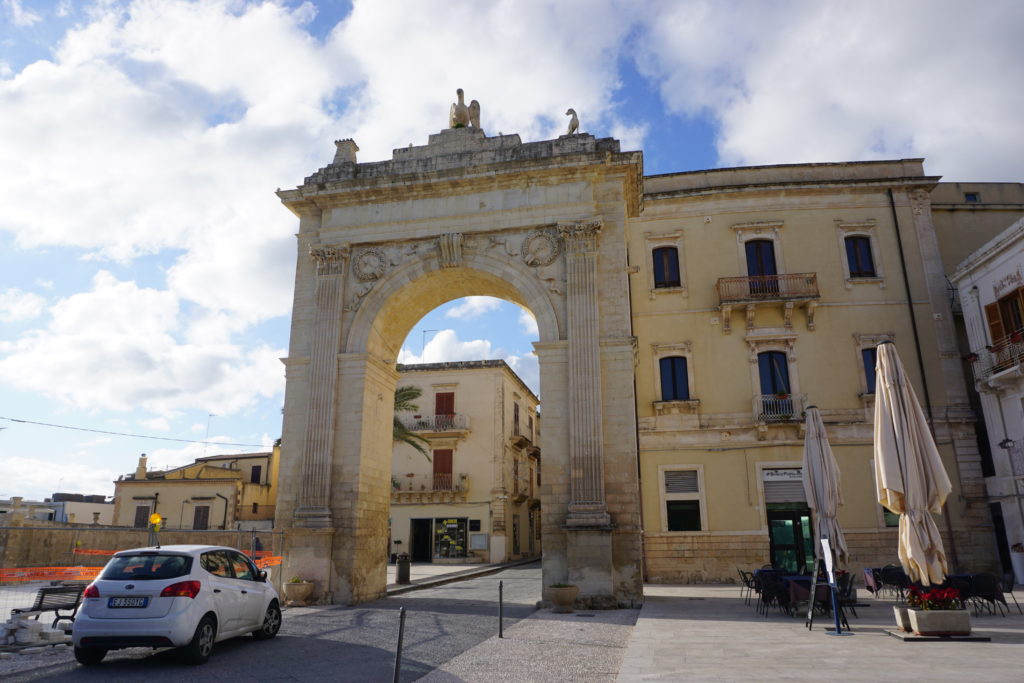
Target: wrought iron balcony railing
435	423
430	482
779	407
1004	354
752	288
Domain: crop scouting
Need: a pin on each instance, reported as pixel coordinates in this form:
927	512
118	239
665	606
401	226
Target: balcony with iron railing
1002	355
429	487
436	423
751	291
775	408
754	288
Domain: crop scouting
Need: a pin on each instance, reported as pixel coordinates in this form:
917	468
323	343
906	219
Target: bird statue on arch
459	116
574	122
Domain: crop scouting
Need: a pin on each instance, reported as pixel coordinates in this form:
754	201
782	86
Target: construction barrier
50	574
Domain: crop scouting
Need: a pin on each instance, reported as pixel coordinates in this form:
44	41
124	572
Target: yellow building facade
237	491
478	497
755	293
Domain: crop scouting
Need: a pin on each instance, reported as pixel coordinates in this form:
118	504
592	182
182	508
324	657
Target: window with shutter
995	322
682	500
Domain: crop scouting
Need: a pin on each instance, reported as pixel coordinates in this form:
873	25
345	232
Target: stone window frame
700	496
659	351
864	341
773	340
866	228
654	241
759	469
759	230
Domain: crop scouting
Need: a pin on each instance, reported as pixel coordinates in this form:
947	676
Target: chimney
345	152
140	471
95	518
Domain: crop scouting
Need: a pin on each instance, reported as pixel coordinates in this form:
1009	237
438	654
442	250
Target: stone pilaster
587	507
313	508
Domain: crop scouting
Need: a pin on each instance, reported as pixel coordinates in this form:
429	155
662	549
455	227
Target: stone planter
563	597
298	593
902	618
940	622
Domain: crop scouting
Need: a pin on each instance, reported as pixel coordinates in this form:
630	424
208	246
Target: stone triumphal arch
380	244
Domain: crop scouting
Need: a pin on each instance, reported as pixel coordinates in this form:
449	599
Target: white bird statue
574	122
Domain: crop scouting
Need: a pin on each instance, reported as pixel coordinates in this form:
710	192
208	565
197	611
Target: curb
457	576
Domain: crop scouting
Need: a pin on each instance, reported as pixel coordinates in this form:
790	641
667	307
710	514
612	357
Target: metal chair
986	592
893	578
1008	590
747	585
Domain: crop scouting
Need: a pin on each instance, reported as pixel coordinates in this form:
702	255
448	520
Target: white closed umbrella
821	485
909	474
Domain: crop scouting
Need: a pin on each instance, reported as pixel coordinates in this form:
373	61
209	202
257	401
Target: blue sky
146	264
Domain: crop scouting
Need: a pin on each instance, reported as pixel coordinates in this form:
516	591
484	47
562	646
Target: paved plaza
682	633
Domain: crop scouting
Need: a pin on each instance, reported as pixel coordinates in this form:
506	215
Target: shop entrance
791	537
420	547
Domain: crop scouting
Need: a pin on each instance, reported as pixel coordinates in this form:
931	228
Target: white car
188	596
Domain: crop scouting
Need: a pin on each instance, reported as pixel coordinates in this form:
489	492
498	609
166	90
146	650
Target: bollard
501	609
402	568
398	651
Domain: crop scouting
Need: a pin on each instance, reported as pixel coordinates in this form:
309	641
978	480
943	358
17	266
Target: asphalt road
328	643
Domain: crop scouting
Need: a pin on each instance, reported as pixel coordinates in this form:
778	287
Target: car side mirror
263	575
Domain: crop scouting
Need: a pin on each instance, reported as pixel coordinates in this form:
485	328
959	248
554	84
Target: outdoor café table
969	578
800	591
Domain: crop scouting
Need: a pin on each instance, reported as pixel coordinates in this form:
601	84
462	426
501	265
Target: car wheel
198	651
271	623
90	656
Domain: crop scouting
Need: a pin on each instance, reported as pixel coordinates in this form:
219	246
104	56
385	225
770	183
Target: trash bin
402	568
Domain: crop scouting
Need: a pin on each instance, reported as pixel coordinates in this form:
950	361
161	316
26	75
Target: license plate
127	602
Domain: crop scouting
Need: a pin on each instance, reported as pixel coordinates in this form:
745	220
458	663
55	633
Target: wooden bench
53	599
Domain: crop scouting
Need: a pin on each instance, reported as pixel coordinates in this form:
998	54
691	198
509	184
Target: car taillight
91	591
182	589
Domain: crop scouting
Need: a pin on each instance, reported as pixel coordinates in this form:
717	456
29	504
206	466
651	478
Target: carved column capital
329	260
580	236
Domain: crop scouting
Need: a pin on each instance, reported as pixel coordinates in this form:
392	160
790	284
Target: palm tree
404	397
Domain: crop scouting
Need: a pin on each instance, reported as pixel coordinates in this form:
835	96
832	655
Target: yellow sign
154	518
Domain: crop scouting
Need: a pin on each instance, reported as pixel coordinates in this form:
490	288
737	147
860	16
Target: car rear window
147	567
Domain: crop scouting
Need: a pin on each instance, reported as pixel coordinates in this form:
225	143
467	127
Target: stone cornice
922	182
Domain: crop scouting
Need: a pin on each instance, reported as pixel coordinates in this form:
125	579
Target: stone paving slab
707	633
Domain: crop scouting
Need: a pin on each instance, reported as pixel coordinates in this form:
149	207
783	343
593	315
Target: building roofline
467	365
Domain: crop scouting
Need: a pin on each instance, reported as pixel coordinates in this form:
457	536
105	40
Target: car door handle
216	590
245	592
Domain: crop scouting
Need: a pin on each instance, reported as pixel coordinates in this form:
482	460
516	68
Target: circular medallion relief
540	248
369	264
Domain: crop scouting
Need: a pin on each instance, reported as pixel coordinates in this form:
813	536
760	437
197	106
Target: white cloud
34	478
43	283
528	323
18	15
115	346
16	305
473	307
528	369
811	81
156	424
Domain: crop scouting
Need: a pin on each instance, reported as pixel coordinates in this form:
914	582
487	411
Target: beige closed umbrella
909	474
821	486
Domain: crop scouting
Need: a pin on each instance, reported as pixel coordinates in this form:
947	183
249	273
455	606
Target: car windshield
146	567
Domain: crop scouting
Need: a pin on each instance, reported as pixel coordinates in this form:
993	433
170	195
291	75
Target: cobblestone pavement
326	643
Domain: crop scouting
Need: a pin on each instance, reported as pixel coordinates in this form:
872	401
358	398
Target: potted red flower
938	612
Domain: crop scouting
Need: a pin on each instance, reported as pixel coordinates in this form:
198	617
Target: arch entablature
524	266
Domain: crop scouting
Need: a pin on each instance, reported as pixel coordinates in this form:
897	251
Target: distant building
478	496
29	509
76	508
216	492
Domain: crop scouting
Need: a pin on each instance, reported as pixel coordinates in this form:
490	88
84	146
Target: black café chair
844	588
894	579
774	593
747	585
1008	590
986	592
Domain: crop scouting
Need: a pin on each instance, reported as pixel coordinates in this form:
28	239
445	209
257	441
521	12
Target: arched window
675	381
858	256
666	267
